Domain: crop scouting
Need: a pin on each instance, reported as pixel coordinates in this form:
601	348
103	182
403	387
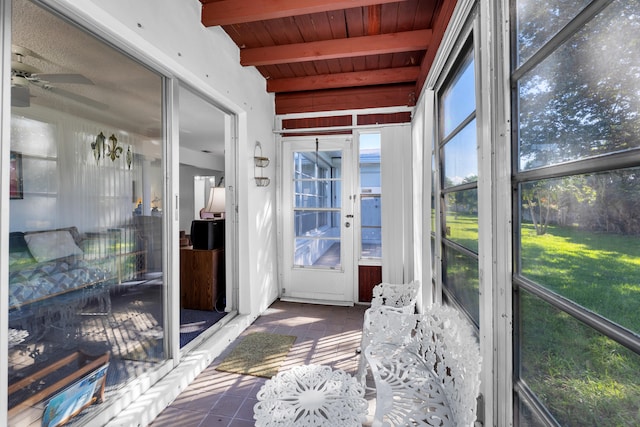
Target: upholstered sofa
58	275
48	263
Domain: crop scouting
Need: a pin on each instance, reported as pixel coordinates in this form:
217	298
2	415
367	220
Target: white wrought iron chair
401	296
444	344
379	323
384	324
407	391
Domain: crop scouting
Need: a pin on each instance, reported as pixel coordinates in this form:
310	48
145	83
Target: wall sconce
260	162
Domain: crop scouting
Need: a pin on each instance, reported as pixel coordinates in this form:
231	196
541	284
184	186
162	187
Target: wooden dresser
202	278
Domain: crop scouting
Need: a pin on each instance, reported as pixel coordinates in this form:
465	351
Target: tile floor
327	335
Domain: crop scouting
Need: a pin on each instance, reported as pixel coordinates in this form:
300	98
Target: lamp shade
216	202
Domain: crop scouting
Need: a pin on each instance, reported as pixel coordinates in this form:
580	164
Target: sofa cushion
49	245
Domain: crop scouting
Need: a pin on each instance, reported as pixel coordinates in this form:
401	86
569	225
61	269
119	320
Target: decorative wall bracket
103	149
113	150
98	146
260	162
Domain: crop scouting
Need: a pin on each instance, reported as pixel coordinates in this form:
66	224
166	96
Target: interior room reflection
86	274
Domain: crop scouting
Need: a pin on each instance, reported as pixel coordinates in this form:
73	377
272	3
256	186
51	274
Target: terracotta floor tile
326	335
172	417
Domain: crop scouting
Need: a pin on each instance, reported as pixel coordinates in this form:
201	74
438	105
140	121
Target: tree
540	198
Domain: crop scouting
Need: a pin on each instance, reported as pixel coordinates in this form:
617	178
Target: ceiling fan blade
23	51
78	98
63	78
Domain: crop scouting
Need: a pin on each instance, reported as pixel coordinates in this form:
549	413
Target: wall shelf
260	162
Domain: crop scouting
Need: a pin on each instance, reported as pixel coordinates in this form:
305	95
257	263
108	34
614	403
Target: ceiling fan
24	75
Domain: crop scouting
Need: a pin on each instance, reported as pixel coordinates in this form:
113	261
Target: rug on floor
195	322
259	354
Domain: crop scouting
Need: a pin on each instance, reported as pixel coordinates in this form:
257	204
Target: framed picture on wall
15	181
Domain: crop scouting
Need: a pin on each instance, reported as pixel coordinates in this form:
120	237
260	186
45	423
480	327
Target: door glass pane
85	278
317	197
370	196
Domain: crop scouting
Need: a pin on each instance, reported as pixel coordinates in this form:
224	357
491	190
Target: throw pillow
50	245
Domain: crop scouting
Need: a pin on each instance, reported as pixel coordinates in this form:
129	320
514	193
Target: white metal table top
311	395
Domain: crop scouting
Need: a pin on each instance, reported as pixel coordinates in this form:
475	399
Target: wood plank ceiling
329	55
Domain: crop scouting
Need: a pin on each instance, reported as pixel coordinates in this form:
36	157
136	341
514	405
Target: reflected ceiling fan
24	75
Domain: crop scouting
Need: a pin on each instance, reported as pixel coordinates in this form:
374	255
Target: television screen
207	234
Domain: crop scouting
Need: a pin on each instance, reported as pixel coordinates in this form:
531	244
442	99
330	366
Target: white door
318	205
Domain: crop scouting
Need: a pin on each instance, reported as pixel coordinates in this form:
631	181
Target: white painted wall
397	222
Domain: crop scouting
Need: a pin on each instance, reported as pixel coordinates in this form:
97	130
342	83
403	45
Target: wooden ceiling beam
338	80
338	48
346	99
228	12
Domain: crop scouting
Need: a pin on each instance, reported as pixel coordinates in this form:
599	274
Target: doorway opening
204	129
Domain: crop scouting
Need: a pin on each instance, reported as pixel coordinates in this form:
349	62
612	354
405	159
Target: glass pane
317	184
581	376
462	281
527	418
582	101
461	157
579	238
317	223
461	220
313	194
370	160
433	256
370	196
371	227
433	194
318	251
539	20
316	179
85	264
459	100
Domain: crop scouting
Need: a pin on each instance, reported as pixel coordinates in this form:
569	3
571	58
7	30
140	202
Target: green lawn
585	378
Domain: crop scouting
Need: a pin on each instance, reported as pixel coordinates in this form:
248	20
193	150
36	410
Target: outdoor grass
598	271
583	377
463	229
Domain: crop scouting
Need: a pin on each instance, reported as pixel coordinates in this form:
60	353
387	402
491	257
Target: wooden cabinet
202	278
